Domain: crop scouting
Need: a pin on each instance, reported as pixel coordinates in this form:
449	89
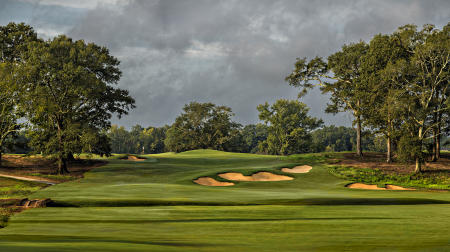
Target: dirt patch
29	178
377	161
375	187
207	181
133	158
26	166
259	176
297	169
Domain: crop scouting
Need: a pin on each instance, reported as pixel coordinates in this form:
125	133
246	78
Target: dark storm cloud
234	53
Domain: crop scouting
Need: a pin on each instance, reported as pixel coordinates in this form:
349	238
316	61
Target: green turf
154	206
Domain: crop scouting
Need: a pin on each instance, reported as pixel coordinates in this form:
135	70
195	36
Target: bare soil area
378	161
27	166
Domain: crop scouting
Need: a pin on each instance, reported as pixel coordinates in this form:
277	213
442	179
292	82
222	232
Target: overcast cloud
233	53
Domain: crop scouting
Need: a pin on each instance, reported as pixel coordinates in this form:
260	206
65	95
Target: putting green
154	205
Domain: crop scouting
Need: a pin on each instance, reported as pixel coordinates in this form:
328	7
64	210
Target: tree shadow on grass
89	239
307	201
359	201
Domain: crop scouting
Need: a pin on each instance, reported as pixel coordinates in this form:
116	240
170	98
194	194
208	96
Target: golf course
152	204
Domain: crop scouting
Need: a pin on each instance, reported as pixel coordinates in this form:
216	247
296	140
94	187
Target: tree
332	138
384	113
289	126
252	136
69	95
347	88
154	139
13	45
202	126
424	77
119	137
9	113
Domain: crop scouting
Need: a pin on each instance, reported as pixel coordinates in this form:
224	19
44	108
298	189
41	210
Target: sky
234	53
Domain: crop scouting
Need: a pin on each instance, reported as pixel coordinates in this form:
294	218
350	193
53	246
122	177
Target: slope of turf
154	206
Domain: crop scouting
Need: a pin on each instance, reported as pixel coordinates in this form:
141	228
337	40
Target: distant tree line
396	85
288	130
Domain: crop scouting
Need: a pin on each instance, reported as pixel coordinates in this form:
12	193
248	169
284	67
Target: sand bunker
133	158
259	176
394	187
207	181
297	169
375	187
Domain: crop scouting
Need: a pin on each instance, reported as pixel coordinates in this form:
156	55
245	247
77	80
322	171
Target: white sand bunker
297	169
207	181
259	176
375	187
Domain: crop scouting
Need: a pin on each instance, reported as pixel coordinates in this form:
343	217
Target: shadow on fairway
307	201
201	220
73	239
359	201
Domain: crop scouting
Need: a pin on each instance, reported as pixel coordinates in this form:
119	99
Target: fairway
154	205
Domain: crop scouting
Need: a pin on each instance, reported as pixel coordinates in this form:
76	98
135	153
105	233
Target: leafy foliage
202	126
69	98
289	127
139	140
14	39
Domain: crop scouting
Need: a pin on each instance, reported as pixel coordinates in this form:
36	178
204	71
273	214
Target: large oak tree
70	96
289	127
341	77
202	126
14	39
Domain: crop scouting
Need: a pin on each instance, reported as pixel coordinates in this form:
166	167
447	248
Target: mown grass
153	205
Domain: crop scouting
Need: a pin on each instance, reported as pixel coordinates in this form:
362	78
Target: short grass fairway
153	205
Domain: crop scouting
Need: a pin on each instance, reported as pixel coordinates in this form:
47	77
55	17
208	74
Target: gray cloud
234	53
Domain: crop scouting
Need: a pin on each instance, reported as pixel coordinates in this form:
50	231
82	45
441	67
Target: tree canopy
289	127
14	40
202	126
70	96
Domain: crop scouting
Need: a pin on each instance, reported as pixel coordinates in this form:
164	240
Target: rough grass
12	188
154	206
430	180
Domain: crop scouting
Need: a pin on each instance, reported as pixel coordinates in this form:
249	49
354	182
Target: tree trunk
0	156
389	140
418	161
389	152
358	137
438	139
434	154
418	166
434	150
62	165
62	161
